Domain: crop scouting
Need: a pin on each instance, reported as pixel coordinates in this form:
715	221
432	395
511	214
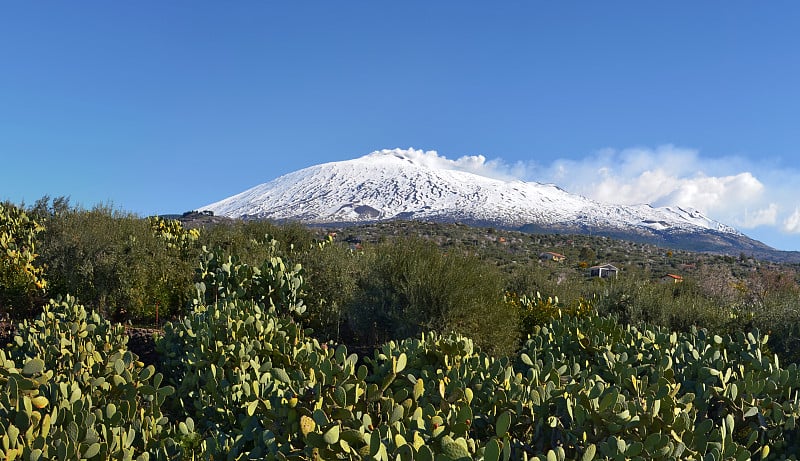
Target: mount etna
400	184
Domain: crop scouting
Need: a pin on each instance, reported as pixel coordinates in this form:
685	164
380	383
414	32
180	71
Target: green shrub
411	286
250	241
332	271
115	263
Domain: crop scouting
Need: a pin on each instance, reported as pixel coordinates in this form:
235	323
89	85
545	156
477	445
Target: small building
603	271
551	256
671	278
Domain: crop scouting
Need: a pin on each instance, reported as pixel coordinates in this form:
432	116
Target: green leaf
33	366
752	411
147	390
621	446
321	418
425	454
609	399
419	388
492	451
374	443
397	414
634	449
13	432
331	436
92	451
401	363
46	423
340	396
119	366
251	407
361	373
111	409
588	454
39	401
147	373
281	375
502	424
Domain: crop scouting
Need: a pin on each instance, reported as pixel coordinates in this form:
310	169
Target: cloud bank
724	188
476	164
732	190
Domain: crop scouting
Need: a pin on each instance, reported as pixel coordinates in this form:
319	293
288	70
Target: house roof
605	266
676	277
552	253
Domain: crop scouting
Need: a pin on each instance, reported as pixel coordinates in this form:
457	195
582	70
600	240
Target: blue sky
162	107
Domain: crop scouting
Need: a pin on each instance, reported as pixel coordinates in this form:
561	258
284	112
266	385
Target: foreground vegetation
459	355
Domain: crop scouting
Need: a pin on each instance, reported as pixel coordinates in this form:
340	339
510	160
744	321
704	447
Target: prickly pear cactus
173	233
71	390
18	273
273	284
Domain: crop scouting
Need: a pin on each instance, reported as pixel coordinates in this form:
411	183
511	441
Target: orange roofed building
671	278
551	256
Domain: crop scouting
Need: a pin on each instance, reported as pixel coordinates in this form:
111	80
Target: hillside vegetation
393	341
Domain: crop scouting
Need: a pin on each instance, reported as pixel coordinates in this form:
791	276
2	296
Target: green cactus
80	392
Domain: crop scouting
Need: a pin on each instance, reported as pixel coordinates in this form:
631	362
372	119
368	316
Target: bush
116	263
410	286
248	240
332	273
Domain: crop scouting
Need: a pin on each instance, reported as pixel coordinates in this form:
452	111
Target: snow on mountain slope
402	184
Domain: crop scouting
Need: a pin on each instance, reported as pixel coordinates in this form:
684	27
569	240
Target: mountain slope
401	184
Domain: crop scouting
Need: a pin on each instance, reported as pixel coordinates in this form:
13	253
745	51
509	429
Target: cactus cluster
242	379
173	233
18	233
655	394
538	310
72	390
273	283
581	388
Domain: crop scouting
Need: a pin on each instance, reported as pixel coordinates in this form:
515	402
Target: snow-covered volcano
401	184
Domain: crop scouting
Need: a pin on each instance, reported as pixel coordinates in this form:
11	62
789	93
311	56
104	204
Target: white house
603	271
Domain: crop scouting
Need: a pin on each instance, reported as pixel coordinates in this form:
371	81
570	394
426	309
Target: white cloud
713	193
476	164
729	189
763	217
733	190
664	176
791	224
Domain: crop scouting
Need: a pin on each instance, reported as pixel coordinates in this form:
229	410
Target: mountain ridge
398	184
